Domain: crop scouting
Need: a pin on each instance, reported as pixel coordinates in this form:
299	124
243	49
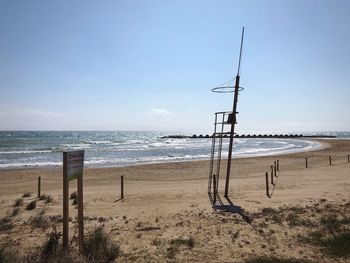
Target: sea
29	149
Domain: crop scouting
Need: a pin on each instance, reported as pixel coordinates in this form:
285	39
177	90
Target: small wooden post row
39	187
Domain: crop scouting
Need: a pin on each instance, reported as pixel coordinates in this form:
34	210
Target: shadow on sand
232	208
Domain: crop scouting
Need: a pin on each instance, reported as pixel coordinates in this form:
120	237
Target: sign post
73	165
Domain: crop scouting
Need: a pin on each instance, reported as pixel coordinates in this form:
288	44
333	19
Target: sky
151	65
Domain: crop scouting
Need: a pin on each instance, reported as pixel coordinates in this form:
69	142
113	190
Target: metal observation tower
224	130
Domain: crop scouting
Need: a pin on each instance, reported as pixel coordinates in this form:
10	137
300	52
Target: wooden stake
267	184
65	202
122	187
39	187
278	165
272	175
348	158
330	160
306	163
80	213
275	168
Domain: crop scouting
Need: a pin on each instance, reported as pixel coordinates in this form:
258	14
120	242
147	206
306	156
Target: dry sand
165	202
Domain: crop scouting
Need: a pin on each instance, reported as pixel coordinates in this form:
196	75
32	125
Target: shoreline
321	145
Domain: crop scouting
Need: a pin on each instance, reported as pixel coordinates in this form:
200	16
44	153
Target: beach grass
31	205
98	247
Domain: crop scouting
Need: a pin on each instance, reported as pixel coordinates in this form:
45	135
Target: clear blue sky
150	65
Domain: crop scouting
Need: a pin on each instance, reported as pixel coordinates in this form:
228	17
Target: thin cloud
159	112
38	113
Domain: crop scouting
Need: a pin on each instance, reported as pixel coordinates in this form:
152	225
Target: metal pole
65	202
229	160
122	187
214	186
234	111
39	187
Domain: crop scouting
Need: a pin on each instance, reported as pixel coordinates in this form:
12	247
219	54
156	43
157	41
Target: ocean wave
25	152
34	164
76	146
97	142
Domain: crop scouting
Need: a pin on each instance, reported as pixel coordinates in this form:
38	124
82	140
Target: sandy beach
169	201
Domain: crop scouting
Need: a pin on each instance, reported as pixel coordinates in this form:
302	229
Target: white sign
75	164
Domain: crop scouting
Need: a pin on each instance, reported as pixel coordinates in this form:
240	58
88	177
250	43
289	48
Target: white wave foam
98	142
36	164
26	152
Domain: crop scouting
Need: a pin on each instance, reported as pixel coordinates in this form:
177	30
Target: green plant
330	223
27	194
51	246
47	198
295	220
268	211
274	215
338	245
18	202
15	211
172	251
345	220
275	260
183	241
7	255
73	195
38	221
5	223
156	242
31	205
98	247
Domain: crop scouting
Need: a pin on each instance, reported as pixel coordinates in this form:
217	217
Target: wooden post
306	163
39	187
272	175
330	160
348	158
214	186
80	213
278	165
275	168
122	187
267	184
65	202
